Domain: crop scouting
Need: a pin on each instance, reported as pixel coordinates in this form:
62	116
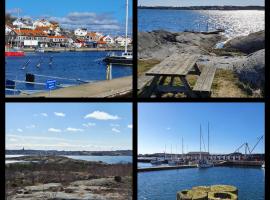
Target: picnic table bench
177	65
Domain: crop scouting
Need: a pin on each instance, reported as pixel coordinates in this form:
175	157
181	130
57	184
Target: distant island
204	7
73	153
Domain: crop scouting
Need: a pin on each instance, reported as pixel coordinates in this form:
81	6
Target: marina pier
118	87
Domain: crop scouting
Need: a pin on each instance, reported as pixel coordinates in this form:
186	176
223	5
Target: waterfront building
58	41
80	32
108	39
28	38
91	36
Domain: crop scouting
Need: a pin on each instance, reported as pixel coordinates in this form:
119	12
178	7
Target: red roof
58	36
27	32
101	42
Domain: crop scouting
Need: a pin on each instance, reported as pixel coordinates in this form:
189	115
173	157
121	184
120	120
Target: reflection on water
235	23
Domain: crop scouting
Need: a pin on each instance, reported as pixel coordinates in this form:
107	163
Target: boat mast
126	26
200	142
182	147
208	137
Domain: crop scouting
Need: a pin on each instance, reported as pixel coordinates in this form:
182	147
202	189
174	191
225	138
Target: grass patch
145	65
225	84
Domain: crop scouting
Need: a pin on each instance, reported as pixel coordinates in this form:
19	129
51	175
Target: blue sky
69	126
199	2
102	15
231	125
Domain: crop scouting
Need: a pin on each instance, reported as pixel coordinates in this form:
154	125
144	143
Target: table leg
187	86
197	70
151	88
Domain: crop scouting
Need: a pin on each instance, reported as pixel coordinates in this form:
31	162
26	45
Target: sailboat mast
200	142
208	138
126	26
182	147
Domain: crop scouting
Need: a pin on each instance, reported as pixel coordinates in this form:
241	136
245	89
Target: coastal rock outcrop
161	44
247	44
252	69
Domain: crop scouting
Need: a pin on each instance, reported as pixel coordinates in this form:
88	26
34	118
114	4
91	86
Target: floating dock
159	168
119	87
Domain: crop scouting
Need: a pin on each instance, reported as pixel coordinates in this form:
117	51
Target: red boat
14	53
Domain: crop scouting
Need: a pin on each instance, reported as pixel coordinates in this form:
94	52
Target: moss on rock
214	192
222	195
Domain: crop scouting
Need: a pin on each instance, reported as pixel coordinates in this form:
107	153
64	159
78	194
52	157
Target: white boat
126	58
263	165
157	161
40	50
204	163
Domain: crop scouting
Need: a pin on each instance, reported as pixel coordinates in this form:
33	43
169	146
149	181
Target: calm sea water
105	159
163	185
235	23
66	68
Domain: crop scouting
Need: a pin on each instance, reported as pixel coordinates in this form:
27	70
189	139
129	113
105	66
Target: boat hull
119	61
15	53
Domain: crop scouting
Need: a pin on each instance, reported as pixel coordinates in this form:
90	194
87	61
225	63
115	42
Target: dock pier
159	168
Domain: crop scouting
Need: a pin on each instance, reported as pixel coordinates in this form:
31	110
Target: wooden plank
147	92
143	81
176	64
205	80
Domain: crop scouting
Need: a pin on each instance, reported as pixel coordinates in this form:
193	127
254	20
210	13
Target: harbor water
67	68
235	23
163	185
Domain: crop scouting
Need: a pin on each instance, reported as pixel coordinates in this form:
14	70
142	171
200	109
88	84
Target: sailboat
126	57
15	51
204	163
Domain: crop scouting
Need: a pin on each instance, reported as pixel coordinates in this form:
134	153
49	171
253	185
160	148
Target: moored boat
126	57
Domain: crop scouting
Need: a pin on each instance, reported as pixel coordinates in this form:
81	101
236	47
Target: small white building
108	39
23	23
8	29
122	40
119	39
41	23
81	32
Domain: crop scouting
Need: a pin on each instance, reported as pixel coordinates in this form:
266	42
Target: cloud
129	126
31	126
169	128
44	114
59	114
116	130
74	129
13	140
19	130
49	143
90	20
115	125
54	130
89	124
100	115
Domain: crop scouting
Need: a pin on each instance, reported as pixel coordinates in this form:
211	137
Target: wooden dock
159	168
119	87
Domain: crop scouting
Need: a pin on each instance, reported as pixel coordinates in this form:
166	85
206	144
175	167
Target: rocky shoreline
58	177
245	55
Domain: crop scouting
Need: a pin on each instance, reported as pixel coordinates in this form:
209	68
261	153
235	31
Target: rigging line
203	143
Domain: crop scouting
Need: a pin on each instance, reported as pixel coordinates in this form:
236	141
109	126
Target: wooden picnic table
178	65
